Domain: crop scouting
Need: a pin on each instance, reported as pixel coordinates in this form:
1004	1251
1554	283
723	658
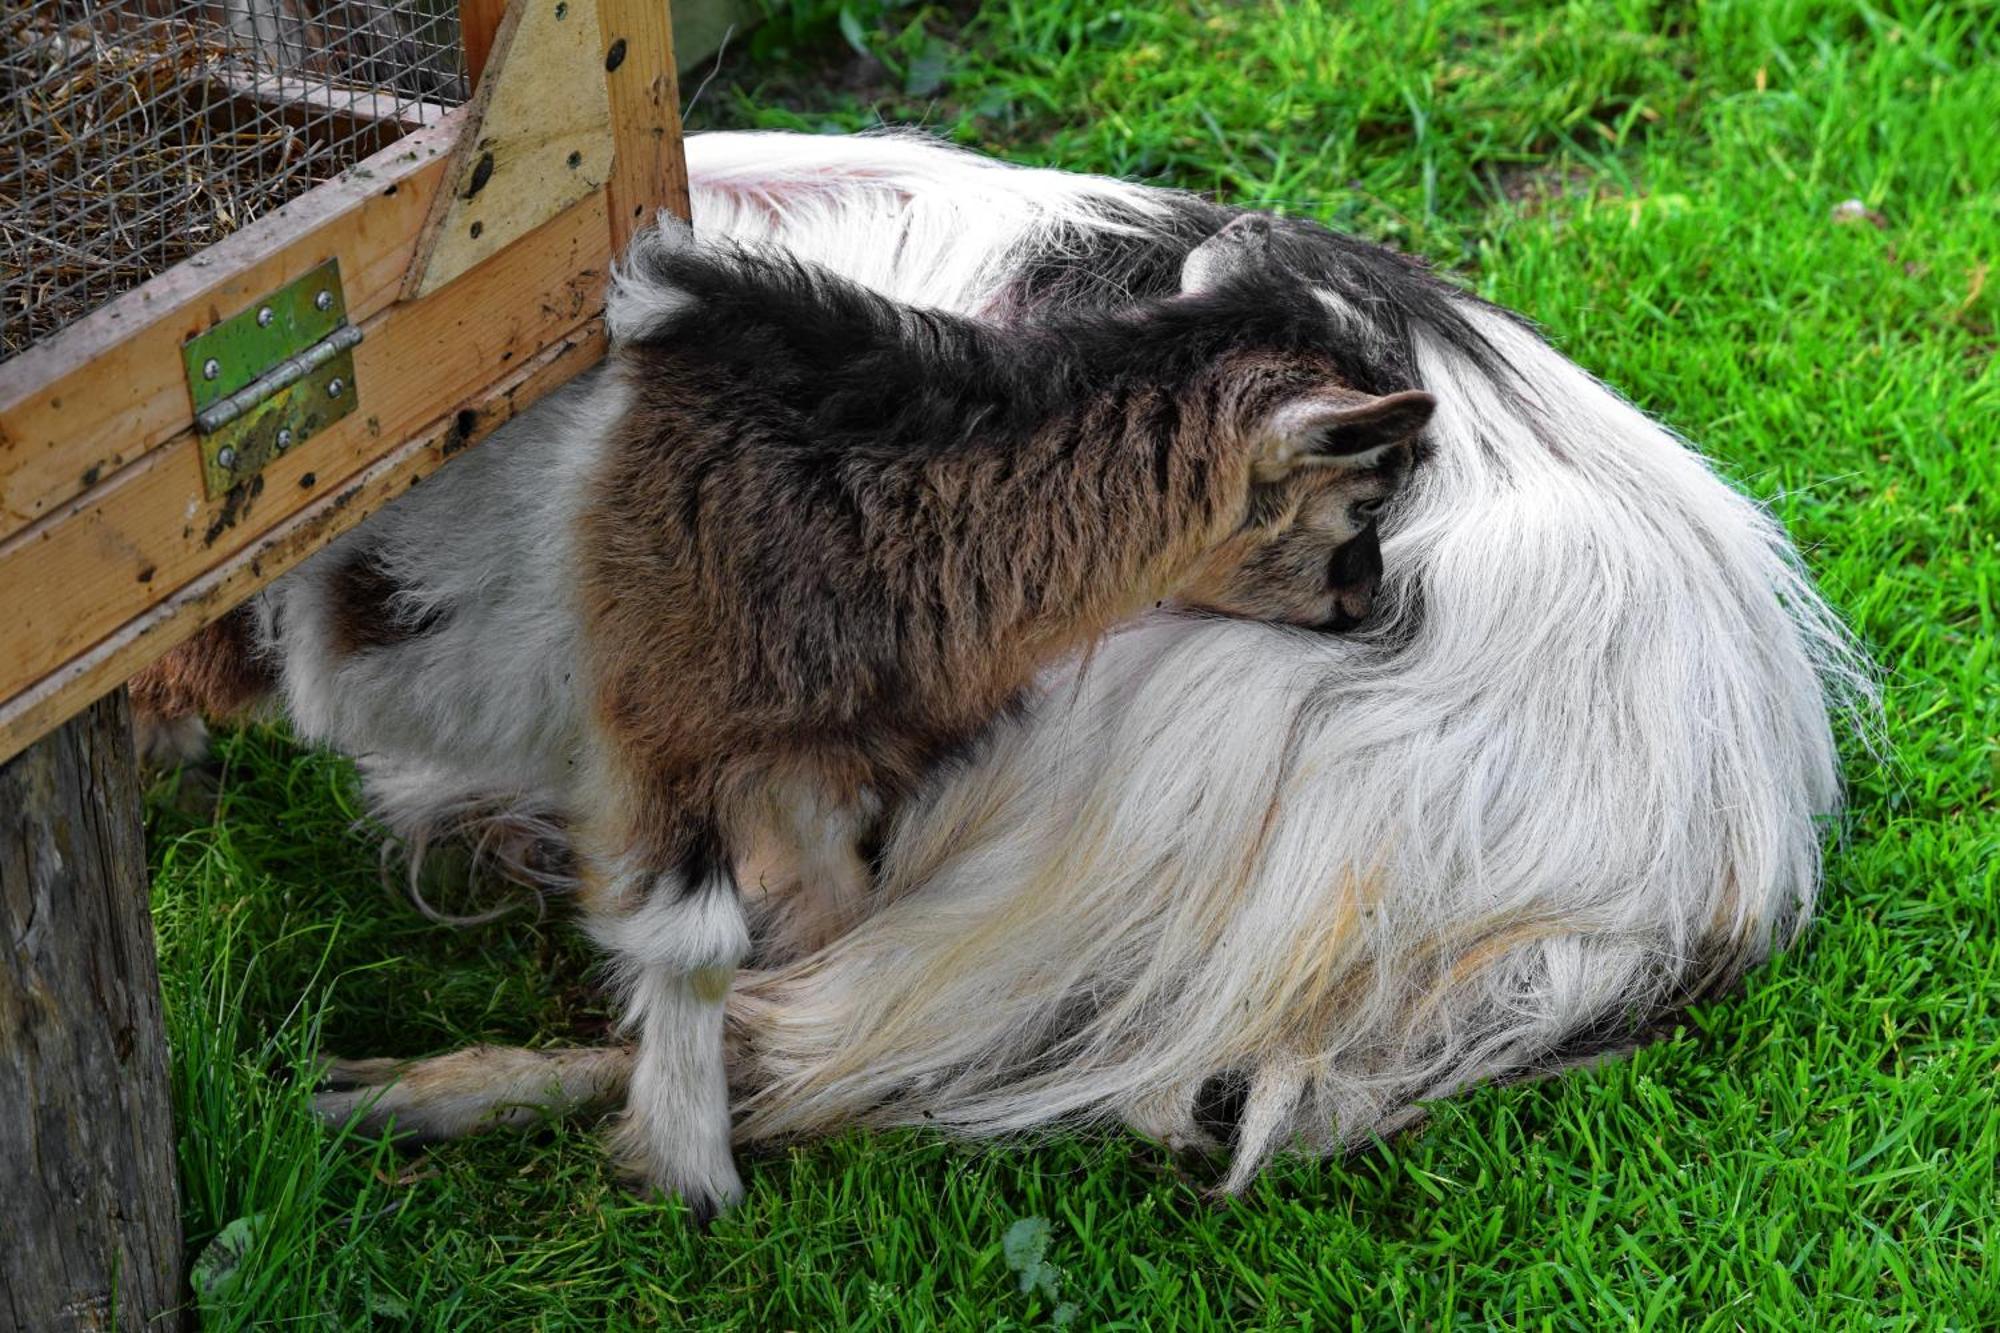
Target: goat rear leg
471	1090
677	939
818	830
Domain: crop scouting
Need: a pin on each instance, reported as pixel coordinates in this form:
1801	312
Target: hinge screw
284	440
264	318
324	301
334	386
225	457
210	368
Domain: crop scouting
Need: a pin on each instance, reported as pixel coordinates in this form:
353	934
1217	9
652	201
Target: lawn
1664	187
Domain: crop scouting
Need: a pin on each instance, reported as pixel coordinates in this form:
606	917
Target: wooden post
478	20
87	1170
648	172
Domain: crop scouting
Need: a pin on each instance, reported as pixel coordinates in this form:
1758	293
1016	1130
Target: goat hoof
704	1203
702	1212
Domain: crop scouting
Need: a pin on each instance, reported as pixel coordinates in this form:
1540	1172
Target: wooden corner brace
576	95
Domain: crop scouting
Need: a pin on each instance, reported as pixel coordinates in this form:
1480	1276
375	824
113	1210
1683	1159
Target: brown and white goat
832	538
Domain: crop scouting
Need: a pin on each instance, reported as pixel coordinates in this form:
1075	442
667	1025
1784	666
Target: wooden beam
302	100
649	172
74	578
105	392
110	389
86	1122
538	139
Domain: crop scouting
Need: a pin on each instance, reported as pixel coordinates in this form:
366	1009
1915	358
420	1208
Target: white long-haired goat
1219	873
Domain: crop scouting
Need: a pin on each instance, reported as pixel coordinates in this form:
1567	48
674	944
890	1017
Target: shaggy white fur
1573	777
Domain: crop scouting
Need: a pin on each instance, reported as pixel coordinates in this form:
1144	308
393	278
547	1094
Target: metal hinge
271	377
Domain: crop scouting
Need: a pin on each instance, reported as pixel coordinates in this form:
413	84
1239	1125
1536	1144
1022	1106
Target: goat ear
1239	249
1342	432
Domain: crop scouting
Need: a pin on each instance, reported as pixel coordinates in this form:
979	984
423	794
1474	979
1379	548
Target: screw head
210	368
264	317
334	386
226	457
284	440
323	301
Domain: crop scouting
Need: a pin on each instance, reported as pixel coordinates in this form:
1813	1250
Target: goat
1215	880
831	538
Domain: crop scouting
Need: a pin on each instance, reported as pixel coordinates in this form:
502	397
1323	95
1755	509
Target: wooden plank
542	140
111	388
478	21
649	172
300	100
75	577
86	1120
336	508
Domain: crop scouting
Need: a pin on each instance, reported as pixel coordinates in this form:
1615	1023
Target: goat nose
1351	607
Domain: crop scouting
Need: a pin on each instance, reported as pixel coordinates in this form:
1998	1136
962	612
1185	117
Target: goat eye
1370	508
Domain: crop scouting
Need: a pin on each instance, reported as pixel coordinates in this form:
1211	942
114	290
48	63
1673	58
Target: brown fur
364	613
833	539
472	1089
981	574
216	674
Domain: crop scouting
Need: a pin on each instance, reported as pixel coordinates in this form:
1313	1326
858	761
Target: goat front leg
676	938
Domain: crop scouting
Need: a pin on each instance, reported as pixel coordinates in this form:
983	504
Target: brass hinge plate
270	378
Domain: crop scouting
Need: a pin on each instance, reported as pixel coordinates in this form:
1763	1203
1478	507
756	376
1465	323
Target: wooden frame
111	552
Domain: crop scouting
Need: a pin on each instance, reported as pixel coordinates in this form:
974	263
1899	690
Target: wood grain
77	576
649	172
478	21
109	550
334	509
111	388
86	1125
305	100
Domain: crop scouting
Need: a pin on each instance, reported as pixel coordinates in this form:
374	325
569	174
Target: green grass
1655	183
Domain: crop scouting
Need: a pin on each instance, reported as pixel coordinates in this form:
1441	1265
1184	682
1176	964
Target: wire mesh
140	131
